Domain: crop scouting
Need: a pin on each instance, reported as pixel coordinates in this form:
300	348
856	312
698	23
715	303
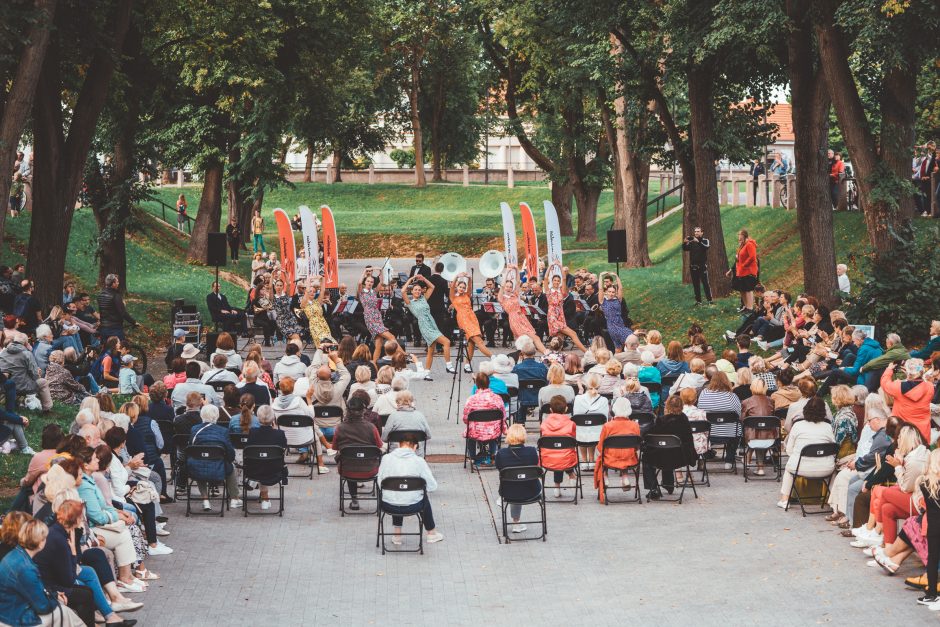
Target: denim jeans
259	242
64	341
423	507
478	450
88	578
97	560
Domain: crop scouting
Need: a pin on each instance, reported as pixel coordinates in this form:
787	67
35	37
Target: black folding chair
401	484
769	446
219	386
823	449
665	454
358	459
544	410
259	464
531	388
205	453
621	442
178	461
702	426
300	421
384	418
327	411
523	475
644	419
668	380
562	443
725	419
781	414
239	442
421	436
482	415
588	420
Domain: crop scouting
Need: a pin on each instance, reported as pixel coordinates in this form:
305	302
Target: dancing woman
555	287
611	306
372	314
509	300
285	318
460	289
313	308
417	303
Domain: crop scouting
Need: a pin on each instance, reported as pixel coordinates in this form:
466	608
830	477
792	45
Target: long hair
247	404
931	476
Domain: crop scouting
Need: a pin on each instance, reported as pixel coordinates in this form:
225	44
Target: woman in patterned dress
286	320
313	309
613	295
509	300
556	291
372	314
417	303
460	290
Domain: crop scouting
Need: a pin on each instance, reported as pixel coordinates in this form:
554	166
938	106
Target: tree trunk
19	100
897	131
810	109
705	211
59	160
208	216
437	114
586	196
337	163
308	164
285	148
634	173
413	87
880	211
561	198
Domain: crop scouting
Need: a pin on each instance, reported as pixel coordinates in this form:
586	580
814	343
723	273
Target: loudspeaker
215	255
616	246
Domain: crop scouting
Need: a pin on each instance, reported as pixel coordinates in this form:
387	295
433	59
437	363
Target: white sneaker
206	506
860	543
872	564
322	470
870	551
265	505
934	607
162	532
434	537
557	493
468	368
518	528
782	504
763	345
861	532
129	587
728	466
449	368
427	377
160	549
27	451
330	452
235	503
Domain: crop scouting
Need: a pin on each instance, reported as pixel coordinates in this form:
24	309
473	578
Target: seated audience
518	454
617	459
354	431
483	437
266	434
814	428
404	462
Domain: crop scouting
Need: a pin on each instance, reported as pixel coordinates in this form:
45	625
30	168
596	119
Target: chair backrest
485	415
262	458
661	442
643	418
589	420
653	387
823	449
556	443
180	410
700	426
721	417
181	440
403	484
238	440
545	410
622	442
609	396
781	413
234	370
513	391
359	453
520	474
219	386
668	380
506	398
327	411
205	452
384	418
294	421
532	385
166	430
574	386
398	436
764	423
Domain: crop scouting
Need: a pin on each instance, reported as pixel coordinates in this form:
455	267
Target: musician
437	301
509	299
594	321
489	321
536	298
556	284
460	289
420	267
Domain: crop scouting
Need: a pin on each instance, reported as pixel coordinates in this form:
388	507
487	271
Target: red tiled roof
782	116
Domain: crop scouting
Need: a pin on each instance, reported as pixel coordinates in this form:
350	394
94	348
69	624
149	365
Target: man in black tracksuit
697	246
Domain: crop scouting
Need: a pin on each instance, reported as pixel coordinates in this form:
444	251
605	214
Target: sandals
833	517
146	575
846	525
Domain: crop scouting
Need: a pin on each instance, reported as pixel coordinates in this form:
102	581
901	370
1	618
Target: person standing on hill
746	270
257	230
181	206
697	247
234	235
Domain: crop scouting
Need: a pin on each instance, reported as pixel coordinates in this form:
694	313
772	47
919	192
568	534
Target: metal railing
660	201
174	220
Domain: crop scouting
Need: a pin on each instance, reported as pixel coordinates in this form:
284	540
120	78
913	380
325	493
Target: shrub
403	158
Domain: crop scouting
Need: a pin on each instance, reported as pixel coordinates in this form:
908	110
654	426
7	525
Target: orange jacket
913	405
747	259
620	459
558	425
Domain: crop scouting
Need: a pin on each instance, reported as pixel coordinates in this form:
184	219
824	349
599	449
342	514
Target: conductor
697	247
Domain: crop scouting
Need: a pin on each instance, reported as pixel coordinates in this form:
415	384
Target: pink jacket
483	431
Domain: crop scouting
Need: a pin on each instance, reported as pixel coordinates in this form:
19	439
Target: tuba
492	263
454	264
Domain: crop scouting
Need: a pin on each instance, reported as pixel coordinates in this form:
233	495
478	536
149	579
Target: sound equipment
211	339
616	246
492	263
215	249
454	264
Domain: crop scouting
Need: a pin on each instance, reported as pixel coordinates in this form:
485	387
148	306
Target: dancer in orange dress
509	300
555	287
460	290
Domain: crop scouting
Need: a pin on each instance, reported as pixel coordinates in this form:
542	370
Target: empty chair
701	427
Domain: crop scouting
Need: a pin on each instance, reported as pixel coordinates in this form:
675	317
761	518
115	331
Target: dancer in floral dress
509	300
286	320
556	290
372	313
313	308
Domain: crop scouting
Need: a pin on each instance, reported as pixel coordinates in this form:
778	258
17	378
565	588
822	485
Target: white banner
387	271
552	235
308	224
509	234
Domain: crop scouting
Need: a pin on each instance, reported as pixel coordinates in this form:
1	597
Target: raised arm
430	286
404	289
619	287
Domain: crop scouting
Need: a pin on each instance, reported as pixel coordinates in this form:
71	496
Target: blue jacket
866	352
530	369
518	455
932	346
99	511
147	440
22	594
211	470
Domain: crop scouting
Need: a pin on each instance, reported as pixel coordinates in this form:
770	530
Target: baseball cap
178	333
126	359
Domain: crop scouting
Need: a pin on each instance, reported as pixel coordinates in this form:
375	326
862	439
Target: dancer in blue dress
613	296
418	305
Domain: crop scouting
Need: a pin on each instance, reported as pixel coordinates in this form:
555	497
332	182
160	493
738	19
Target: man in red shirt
835	175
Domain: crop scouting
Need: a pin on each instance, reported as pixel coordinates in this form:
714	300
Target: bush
903	287
403	158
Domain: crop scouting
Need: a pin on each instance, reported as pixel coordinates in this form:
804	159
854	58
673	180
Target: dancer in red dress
555	286
509	300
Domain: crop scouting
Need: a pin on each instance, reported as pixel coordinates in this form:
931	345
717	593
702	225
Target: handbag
913	528
144	492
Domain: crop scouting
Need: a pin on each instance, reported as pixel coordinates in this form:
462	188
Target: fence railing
184	226
661	201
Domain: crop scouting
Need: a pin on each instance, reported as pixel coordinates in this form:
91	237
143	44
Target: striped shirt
716	401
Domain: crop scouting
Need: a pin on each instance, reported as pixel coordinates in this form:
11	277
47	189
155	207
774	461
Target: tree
22	74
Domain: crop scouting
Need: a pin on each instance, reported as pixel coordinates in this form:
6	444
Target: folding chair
260	463
621	442
767	445
204	453
823	449
166	431
781	414
725	420
178	461
300	421
664	453
644	419
421	436
482	415
588	420
544	410
521	475
327	411
239	442
358	459
384	418
668	380
400	484
702	426
531	388
562	443
219	386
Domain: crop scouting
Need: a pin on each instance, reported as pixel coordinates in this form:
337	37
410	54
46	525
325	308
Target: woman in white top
654	345
813	429
695	379
591	402
404	462
388	403
556	386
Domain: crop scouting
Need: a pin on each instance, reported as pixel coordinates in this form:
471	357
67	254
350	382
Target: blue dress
619	331
422	312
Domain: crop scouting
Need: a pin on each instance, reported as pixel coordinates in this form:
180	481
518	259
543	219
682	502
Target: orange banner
531	243
285	237
330	249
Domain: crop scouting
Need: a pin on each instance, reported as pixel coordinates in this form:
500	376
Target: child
16	195
744	353
127	377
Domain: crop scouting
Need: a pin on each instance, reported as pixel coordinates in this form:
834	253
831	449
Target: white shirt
844	285
403	462
216	374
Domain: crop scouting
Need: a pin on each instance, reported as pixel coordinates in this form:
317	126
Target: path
728	557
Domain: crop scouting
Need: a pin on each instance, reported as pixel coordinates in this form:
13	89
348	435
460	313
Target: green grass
13	466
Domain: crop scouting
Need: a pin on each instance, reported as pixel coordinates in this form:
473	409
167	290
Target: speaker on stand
617	247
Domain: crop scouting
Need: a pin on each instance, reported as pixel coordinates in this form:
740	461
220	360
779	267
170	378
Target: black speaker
216	249
616	246
211	339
